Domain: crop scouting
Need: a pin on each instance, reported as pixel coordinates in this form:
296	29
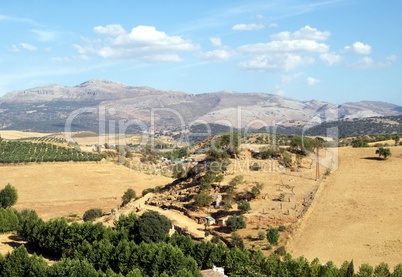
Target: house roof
211	273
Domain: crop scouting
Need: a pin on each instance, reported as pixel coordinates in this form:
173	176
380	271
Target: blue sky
332	50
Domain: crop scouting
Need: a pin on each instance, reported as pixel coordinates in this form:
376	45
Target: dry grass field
357	213
62	189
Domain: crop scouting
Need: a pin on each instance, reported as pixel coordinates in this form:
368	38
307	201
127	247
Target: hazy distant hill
47	108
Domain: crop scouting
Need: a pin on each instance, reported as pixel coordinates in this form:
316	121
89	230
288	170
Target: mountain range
103	105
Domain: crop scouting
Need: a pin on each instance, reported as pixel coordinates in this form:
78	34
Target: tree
92	214
350	271
236	222
152	227
202	200
384	152
243	206
237	241
127	196
273	236
396	138
8	196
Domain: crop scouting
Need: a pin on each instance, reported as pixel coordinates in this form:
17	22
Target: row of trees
25	152
128	249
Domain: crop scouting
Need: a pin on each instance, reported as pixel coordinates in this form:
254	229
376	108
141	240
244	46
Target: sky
331	50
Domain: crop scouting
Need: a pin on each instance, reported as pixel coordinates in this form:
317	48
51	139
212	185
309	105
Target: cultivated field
62	189
357	212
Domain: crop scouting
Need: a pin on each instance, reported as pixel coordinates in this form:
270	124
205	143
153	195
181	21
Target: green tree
243	206
92	214
127	196
202	200
8	196
236	222
350	272
383	152
273	236
365	270
152	227
237	241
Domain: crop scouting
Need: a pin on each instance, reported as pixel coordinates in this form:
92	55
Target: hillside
362	126
97	102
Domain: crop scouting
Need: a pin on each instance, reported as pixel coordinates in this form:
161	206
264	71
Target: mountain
98	105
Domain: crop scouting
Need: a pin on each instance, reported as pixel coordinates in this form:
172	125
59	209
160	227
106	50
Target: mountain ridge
49	106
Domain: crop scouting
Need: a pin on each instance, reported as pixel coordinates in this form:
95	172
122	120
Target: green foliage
243	206
236	222
237	180
202	200
8	196
25	152
281	251
383	152
152	227
179	171
177	154
261	235
9	220
237	240
92	214
128	195
358	143
273	236
282	228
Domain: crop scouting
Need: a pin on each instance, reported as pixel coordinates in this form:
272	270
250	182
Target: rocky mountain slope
97	105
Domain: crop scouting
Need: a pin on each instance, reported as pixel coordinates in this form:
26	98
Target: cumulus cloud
215	41
305	33
369	63
28	46
247	27
312	81
142	43
217	55
286	46
276	62
358	48
330	58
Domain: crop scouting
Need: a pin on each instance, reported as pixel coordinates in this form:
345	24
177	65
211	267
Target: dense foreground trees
89	249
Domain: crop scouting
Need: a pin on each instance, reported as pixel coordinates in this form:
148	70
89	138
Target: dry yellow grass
19	134
61	189
357	214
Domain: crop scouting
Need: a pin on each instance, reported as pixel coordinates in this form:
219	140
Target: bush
281	251
92	214
282	228
273	236
236	222
237	241
152	227
8	196
261	235
127	196
243	206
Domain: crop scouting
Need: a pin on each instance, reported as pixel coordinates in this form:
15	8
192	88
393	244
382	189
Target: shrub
236	222
261	235
237	241
273	236
92	214
8	196
281	251
127	196
282	228
243	206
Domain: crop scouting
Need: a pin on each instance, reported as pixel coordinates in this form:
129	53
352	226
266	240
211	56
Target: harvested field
62	189
357	212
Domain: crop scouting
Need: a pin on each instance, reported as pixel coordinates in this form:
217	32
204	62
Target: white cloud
358	48
276	62
45	35
369	63
330	58
286	46
216	41
289	78
142	43
312	81
273	25
217	55
305	33
259	16
247	27
111	30
28	46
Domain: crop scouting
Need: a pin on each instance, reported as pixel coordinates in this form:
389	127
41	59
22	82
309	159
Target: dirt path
358	213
